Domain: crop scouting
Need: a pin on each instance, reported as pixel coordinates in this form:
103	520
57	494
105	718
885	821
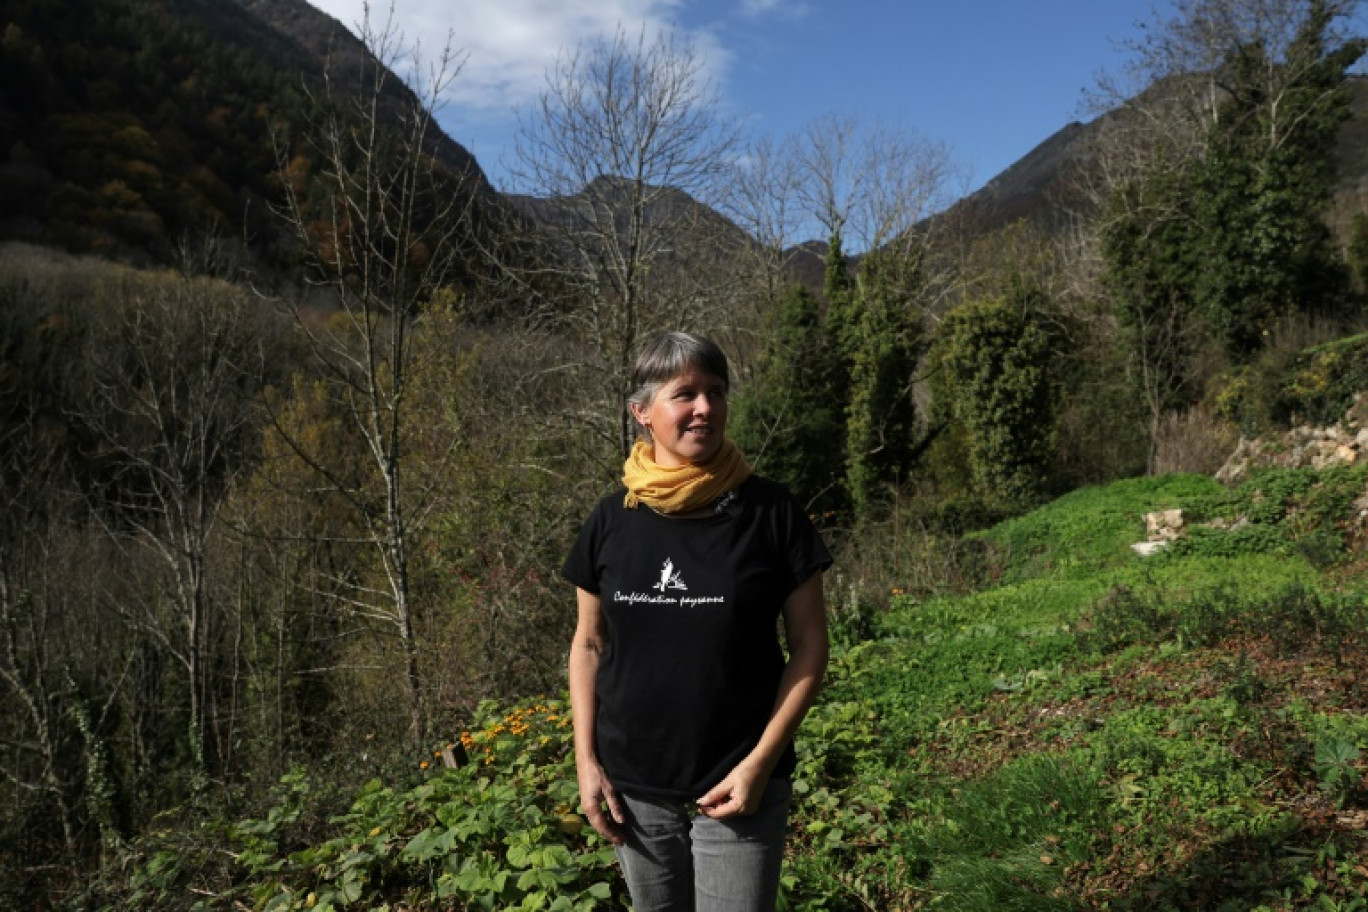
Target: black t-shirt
692	662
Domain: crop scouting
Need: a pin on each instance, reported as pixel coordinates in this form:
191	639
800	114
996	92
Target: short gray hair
667	356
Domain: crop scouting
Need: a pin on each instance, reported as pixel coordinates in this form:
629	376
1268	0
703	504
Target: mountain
604	197
321	39
1042	187
127	126
1033	187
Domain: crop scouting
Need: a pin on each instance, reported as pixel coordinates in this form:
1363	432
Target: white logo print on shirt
669	579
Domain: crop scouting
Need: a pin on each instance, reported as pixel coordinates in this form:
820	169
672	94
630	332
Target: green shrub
1315	385
1293	616
500	831
1321	382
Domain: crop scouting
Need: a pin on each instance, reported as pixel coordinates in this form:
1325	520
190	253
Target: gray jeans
675	861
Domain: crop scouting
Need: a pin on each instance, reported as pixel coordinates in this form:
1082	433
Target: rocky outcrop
1161	527
1344	443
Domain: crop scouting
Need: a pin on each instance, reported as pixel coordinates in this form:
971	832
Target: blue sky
989	78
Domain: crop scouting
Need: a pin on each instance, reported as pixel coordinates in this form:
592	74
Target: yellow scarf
685	488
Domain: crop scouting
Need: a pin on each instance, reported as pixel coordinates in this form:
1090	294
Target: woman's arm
805	626
585	650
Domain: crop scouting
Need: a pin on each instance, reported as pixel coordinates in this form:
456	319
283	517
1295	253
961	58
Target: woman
683	703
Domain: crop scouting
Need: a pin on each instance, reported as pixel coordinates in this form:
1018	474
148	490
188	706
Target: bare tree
174	372
31	731
384	227
872	185
763	199
623	146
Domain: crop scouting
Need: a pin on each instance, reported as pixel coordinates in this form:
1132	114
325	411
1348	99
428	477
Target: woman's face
687	418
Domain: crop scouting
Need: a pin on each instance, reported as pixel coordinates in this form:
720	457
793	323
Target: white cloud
509	44
757	7
784	8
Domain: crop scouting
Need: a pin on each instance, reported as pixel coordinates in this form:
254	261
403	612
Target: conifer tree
839	324
787	416
1153	259
1357	253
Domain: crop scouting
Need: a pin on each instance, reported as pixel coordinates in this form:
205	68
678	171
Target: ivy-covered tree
1357	253
1262	189
995	356
838	286
883	343
829	408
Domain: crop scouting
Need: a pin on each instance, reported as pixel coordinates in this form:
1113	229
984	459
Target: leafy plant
1005	841
499	832
1336	766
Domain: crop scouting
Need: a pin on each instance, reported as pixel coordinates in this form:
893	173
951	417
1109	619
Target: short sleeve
801	545
582	564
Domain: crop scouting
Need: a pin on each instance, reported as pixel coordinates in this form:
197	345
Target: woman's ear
639	414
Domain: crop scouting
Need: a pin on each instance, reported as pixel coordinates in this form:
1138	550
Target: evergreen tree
829	409
841	315
787	417
883	344
1357	254
1151	249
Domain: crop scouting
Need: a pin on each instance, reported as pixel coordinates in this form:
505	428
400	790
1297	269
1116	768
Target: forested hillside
298	420
1050	183
138	129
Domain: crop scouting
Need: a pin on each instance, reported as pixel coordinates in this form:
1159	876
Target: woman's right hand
596	792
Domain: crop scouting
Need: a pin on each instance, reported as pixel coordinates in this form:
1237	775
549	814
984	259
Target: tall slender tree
883	346
625	142
385	229
1153	260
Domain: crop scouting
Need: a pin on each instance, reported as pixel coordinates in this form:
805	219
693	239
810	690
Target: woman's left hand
735	796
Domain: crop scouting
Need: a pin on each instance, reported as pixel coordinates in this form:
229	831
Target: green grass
1155	701
1092	528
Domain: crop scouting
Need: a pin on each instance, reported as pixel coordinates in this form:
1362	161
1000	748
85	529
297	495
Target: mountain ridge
89	166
